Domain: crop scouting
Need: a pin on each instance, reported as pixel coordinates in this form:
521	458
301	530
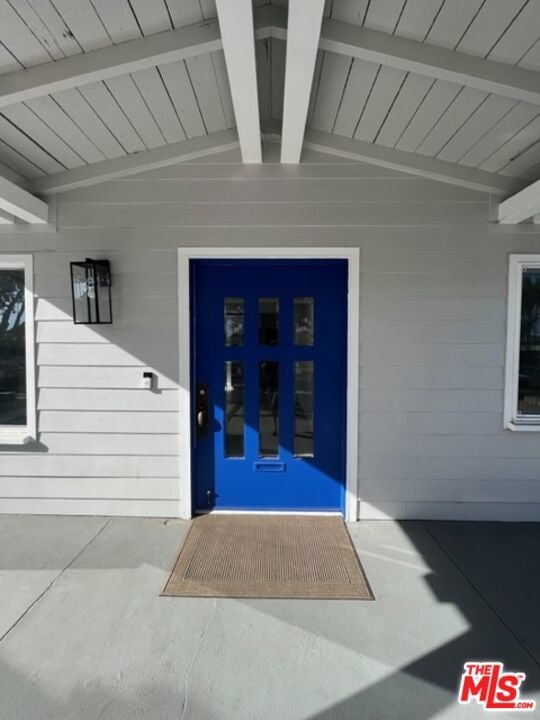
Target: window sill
15	436
522	426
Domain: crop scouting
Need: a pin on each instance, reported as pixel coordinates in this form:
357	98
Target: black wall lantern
91	292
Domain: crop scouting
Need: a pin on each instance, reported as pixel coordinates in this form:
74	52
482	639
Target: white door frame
352	255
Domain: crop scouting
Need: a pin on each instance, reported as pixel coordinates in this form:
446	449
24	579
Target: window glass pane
303	409
268	321
234	321
304	328
234	409
12	348
529	350
269	409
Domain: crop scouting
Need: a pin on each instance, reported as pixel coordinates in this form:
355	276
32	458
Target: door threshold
316	513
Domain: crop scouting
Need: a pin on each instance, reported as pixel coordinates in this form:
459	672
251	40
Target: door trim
352	256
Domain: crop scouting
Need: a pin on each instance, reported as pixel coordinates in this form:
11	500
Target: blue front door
269	345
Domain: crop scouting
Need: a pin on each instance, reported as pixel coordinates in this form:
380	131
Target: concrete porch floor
84	633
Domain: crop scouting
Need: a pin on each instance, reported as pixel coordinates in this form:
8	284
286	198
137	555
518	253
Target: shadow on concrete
483	570
498	612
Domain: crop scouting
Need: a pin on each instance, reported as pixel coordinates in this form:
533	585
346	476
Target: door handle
201	419
201	410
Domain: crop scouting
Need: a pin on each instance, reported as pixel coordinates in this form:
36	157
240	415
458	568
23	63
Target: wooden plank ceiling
350	98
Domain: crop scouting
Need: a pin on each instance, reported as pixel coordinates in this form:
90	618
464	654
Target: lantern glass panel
82	294
103	293
91	292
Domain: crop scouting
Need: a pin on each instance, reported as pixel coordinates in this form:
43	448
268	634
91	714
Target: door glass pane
303	409
12	348
234	409
233	312
269	409
304	328
268	321
529	350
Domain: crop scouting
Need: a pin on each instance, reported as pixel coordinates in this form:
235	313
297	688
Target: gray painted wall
432	335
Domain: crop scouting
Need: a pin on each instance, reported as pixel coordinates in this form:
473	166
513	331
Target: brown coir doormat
268	556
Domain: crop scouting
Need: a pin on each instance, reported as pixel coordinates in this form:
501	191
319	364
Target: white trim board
134	163
521	206
20	203
413	163
436	62
109	62
352	255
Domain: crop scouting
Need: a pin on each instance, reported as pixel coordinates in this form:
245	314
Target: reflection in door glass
268	409
234	409
233	312
303	321
268	321
303	409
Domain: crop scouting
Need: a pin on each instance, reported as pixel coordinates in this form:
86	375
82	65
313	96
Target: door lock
201	410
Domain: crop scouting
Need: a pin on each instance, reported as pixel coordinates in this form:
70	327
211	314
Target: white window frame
512	420
22	434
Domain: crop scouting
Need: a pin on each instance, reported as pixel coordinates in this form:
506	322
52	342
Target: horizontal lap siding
432	337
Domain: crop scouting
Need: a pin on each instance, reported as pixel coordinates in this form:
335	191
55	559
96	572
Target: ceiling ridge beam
521	206
238	39
435	62
303	35
19	203
413	163
108	62
159	157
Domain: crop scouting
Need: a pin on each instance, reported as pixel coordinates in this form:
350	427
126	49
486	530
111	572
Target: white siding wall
432	332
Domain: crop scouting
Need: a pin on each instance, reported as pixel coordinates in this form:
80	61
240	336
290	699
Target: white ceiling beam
6	219
16	201
521	206
418	57
412	163
109	62
303	33
410	55
238	38
137	162
270	21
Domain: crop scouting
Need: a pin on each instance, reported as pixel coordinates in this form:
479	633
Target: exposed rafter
237	34
521	206
421	165
303	32
271	21
109	62
412	56
136	163
14	201
418	57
